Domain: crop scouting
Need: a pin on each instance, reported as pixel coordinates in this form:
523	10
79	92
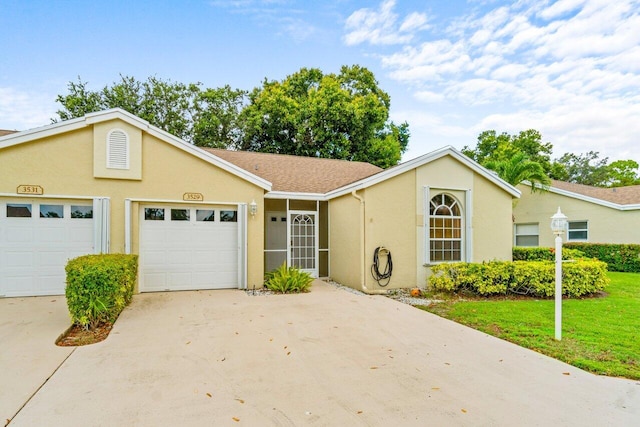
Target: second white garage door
190	248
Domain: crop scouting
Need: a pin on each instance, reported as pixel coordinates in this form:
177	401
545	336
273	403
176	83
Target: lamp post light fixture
558	226
253	208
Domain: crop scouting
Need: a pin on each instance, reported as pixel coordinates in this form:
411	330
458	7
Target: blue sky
568	68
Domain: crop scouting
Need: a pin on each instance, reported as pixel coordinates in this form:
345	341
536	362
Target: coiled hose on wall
380	277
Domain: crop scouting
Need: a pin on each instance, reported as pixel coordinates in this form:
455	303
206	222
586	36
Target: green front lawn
601	335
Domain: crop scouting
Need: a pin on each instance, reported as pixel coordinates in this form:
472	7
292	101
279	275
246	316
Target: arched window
445	229
117	149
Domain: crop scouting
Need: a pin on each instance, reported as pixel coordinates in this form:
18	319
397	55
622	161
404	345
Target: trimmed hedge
532	278
99	287
619	257
544	254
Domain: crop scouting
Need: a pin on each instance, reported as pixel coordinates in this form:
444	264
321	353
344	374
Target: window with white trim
117	149
527	235
445	229
578	231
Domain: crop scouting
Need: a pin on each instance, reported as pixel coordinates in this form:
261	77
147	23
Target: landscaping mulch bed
77	335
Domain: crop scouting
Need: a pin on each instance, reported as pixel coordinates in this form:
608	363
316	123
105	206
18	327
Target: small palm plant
287	280
518	169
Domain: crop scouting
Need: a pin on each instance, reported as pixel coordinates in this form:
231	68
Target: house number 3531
29	189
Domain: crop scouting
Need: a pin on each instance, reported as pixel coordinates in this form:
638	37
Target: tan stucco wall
344	241
395	215
63	166
391	222
606	225
492	222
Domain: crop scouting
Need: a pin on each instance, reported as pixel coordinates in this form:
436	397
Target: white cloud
429	97
569	68
381	27
287	20
21	110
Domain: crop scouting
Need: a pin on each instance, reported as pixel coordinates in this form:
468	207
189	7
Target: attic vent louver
117	149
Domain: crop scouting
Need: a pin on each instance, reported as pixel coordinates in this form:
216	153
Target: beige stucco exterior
345	241
63	165
605	224
388	209
393	215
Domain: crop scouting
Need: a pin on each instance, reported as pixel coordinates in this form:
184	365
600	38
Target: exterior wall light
253	208
558	226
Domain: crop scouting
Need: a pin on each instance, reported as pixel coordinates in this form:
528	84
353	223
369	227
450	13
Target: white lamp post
558	226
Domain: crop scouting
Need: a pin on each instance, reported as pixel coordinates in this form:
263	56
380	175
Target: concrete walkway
324	358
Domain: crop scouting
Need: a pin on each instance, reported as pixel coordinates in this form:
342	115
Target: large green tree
623	172
340	116
587	169
494	147
205	117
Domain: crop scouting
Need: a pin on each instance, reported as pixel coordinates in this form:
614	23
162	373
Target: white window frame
569	239
465	226
516	235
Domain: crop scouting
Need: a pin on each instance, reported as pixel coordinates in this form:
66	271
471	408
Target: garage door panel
51	234
82	234
180	258
203	257
19	260
180	280
52	258
14	286
197	255
227	258
155	280
49	284
34	251
155	257
21	235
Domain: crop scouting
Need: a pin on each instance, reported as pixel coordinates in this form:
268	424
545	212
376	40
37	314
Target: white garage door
37	238
189	248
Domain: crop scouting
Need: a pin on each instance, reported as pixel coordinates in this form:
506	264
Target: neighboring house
595	214
208	219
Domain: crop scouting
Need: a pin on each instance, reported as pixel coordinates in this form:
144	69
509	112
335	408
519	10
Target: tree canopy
587	169
524	157
492	147
340	116
204	117
309	113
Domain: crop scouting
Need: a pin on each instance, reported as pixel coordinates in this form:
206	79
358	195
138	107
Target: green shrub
99	287
533	278
288	280
619	257
544	254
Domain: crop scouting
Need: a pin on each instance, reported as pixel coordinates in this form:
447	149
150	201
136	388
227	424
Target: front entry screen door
303	238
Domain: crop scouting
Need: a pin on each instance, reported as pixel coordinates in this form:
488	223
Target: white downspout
363	271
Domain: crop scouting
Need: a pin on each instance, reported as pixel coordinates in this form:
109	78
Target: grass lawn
600	335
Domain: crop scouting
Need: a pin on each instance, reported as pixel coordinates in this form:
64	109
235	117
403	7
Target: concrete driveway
329	357
29	328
